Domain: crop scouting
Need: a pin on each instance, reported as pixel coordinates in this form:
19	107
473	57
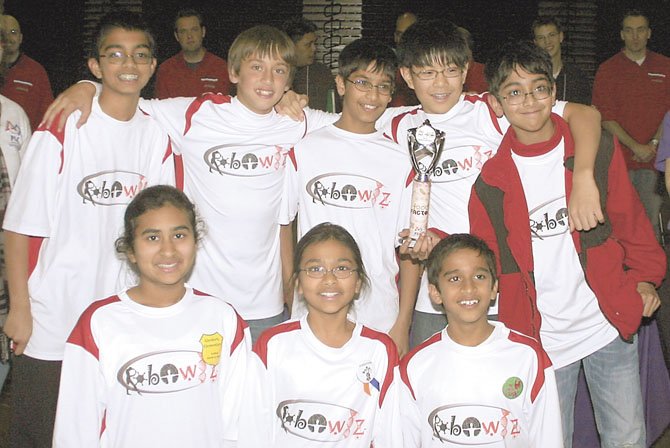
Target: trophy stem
418	220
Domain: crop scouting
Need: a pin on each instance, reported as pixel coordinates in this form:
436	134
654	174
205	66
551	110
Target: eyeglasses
430	74
340	272
119	57
516	97
363	85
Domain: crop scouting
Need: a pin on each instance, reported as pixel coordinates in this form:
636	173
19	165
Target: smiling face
164	248
531	119
361	109
127	77
261	82
465	288
438	95
328	296
549	39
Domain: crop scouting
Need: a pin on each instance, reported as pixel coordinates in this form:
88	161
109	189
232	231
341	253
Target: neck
470	335
10	58
193	57
157	297
557	63
334	330
346	124
635	55
117	106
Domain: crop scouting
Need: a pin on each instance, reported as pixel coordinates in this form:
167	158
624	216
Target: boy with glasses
65	213
434	62
350	174
581	294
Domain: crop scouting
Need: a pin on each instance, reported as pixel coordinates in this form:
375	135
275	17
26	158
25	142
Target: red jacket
615	256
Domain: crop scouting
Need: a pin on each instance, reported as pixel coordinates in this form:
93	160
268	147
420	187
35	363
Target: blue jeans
257	326
613	376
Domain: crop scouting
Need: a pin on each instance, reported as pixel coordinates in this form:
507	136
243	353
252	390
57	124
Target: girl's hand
19	327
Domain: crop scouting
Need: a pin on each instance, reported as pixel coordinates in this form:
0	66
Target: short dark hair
152	198
297	27
359	54
327	231
188	12
430	41
125	20
544	21
634	13
451	244
513	55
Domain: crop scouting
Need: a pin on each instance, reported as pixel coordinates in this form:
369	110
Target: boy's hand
400	335
19	327
650	299
291	105
423	247
76	97
584	206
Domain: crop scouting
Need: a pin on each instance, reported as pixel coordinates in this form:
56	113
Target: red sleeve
603	99
481	226
644	258
162	90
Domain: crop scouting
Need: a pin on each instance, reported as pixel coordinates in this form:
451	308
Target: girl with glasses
323	378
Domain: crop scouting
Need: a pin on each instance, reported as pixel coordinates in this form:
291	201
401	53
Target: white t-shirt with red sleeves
358	181
140	376
500	393
72	190
573	326
234	161
472	136
302	393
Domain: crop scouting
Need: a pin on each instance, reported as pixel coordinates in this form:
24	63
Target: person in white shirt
159	364
323	379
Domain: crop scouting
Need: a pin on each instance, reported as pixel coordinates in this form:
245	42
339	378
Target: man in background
194	70
313	79
26	81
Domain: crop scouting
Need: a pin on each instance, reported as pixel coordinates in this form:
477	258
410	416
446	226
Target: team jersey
573	326
14	137
303	393
501	393
140	376
472	136
358	181
234	162
72	190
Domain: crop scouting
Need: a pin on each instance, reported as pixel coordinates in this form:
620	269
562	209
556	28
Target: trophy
425	146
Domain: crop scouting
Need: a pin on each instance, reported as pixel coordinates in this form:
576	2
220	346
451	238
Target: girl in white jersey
323	379
159	364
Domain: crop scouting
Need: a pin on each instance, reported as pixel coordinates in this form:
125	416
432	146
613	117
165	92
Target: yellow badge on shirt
211	348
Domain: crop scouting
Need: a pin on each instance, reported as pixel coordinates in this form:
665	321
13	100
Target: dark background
53	29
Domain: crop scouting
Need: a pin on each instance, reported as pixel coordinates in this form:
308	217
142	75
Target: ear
176	36
232	75
494	291
434	294
339	83
94	67
465	72
496	106
406	74
204	31
131	257
153	65
621	34
560	37
359	284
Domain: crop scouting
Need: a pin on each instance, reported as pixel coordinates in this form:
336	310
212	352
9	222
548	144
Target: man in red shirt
26	81
193	71
632	92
